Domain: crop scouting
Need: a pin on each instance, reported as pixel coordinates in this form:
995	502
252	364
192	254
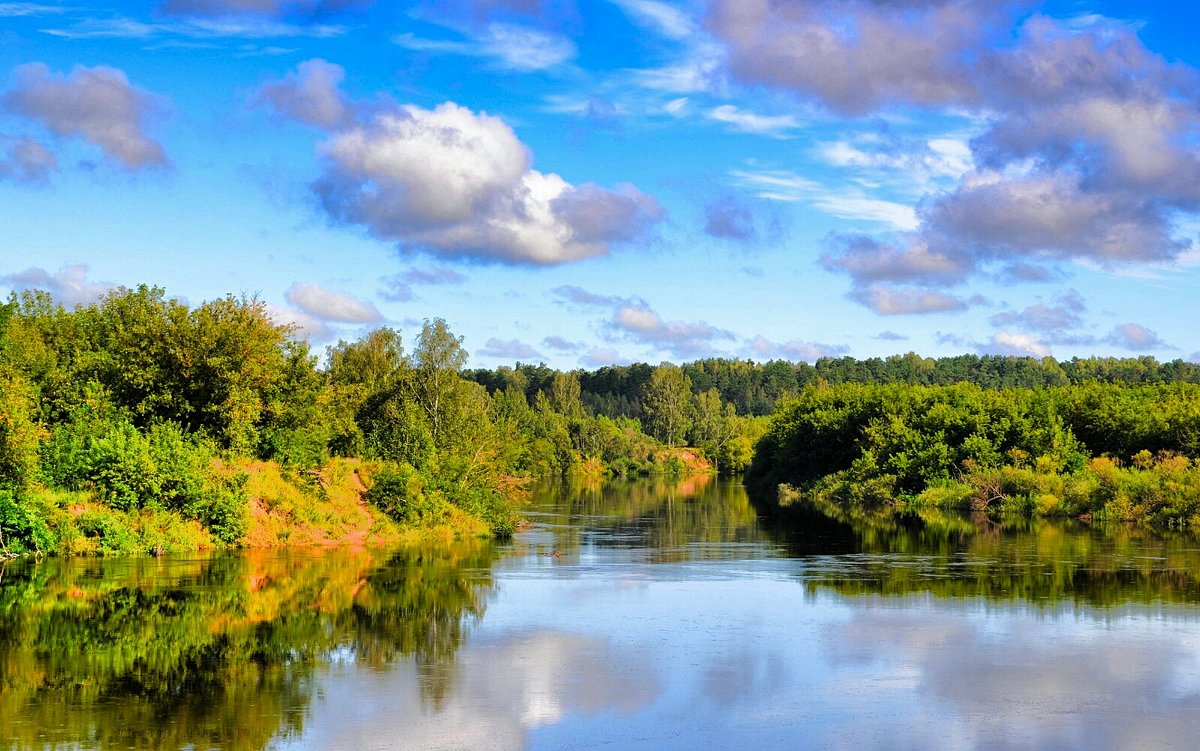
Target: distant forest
755	388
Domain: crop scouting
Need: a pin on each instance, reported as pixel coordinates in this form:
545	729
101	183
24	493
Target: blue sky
606	181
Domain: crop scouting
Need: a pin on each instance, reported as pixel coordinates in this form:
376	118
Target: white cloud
794	350
1135	337
26	160
888	300
598	357
16	10
305	326
1018	344
507	46
509	349
776	126
327	305
97	104
897	215
69	286
309	94
666	19
782	185
459	184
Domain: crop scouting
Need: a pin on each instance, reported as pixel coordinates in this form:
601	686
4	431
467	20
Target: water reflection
669	520
1040	562
506	688
162	653
631	615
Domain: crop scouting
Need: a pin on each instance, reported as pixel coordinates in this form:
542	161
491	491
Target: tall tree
436	360
666	402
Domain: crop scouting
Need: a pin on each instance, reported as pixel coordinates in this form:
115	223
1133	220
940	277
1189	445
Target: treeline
143	423
1099	450
755	388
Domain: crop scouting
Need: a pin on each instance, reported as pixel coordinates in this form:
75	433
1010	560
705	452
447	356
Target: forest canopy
143	423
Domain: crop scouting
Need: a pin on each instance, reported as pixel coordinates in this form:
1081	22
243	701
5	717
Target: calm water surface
645	615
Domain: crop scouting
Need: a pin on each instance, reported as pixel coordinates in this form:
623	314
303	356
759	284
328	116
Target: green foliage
23	527
1002	451
666	404
20	435
400	491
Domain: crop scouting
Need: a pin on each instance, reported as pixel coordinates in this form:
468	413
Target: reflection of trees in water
1038	561
672	519
160	653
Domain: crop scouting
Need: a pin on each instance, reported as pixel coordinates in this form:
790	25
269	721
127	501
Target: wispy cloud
506	46
660	17
846	203
776	126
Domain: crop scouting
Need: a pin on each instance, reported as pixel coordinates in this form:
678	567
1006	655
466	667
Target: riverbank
1101	452
273	507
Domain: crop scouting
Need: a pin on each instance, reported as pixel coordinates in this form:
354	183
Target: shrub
400	491
23	529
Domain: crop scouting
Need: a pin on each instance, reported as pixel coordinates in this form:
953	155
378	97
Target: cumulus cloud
309	94
1017	344
451	182
685	339
890	300
459	184
794	350
890	336
1085	149
509	349
854	56
327	305
633	319
560	344
24	160
1045	318
96	104
598	357
867	260
69	286
1135	337
303	325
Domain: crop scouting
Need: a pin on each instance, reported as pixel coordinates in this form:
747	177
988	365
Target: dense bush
1102	450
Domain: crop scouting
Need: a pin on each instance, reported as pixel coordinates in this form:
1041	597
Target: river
646	615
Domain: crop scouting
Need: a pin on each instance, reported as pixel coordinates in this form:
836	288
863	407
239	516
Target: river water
648	615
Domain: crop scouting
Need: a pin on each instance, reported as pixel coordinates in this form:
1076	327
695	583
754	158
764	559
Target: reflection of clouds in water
501	689
1042	683
745	675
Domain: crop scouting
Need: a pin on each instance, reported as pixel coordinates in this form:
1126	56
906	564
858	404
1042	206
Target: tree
372	362
564	395
666	399
437	359
713	423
